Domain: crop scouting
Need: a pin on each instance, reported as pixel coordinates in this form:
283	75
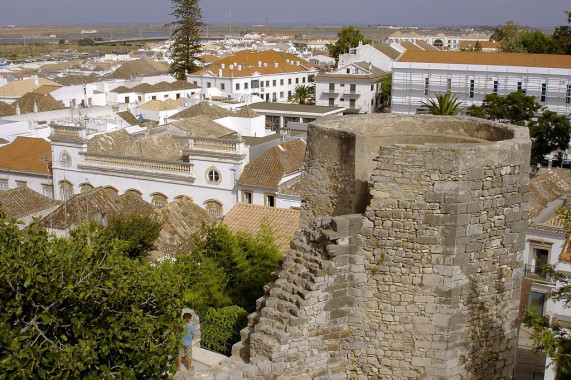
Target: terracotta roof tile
181	218
42	102
484	44
139	67
246	112
22	201
211	111
95	203
18	88
27	154
248	218
547	187
387	50
291	188
203	127
493	59
247	63
129	118
269	168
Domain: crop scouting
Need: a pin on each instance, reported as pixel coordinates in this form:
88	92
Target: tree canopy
515	108
185	37
549	133
348	37
78	307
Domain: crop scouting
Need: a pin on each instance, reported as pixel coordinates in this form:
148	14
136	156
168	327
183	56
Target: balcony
352	110
216	145
330	92
535	273
353	94
138	167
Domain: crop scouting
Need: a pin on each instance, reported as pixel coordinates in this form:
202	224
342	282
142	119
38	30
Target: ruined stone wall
424	283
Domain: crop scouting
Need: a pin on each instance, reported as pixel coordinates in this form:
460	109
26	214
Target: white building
268	74
197	158
272	179
418	75
379	55
355	86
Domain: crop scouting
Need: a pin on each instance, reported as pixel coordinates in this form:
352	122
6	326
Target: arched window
159	200
65	159
66	190
214	207
85	187
213	175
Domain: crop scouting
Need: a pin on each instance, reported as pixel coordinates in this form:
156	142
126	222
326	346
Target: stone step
242	351
245	334
254	318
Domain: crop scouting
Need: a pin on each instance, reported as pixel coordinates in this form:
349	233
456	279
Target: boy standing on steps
187	341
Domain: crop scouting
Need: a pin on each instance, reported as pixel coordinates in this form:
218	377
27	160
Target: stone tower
407	261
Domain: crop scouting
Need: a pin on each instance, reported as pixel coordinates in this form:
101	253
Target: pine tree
185	36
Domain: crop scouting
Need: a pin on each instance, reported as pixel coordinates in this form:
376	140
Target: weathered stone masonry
407	263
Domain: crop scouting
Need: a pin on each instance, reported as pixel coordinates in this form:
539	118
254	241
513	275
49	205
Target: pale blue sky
536	13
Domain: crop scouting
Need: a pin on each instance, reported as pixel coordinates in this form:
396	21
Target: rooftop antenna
230	17
267	29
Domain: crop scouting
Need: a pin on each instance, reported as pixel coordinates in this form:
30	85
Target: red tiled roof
249	218
492	59
26	154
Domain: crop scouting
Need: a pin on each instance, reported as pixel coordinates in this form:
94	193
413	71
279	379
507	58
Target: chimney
370	67
35	107
259	63
231	67
275	65
36	81
220	73
222	66
297	63
18	109
287	60
265	64
235	64
239	67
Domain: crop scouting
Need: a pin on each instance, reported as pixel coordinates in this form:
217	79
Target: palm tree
445	104
303	95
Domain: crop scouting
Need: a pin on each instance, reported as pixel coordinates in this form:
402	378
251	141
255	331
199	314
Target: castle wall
408	261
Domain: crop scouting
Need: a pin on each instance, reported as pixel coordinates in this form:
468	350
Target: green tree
138	232
549	133
77	307
303	95
515	108
61	41
185	37
348	37
86	42
507	35
445	104
386	88
236	266
562	37
535	42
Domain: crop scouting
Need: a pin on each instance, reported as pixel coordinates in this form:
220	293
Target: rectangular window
281	82
303	80
281	95
126	99
274	97
267	83
238	86
536	301
568	94
352	103
48	191
331	102
471	88
496	87
289	94
208	84
348	70
331	87
177	96
153	97
165	97
246	86
21	183
140	98
289	81
296	80
274	83
270	200
247	197
3	183
352	88
66	194
256	83
222	86
426	83
449	85
543	91
519	87
372	87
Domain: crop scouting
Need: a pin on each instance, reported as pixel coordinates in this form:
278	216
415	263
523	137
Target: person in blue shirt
187	342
